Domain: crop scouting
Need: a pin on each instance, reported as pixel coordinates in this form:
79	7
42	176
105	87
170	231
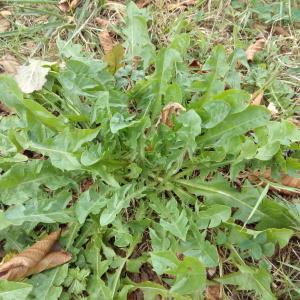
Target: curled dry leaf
68	5
143	3
106	41
168	110
5	13
257	98
4	23
285	180
102	22
214	292
280	31
272	108
35	259
254	48
8	64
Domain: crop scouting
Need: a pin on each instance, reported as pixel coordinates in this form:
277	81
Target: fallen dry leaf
32	77
35	259
4	23
102	22
272	108
254	48
143	3
257	98
280	31
68	5
106	41
51	260
214	292
8	64
168	110
285	180
5	13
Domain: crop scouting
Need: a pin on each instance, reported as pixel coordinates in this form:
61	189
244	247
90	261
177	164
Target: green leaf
93	257
120	199
217	62
176	223
280	236
138	43
178	227
10	93
19	214
10	290
62	149
89	201
237	124
190	273
256	279
23	180
202	249
213	216
190	277
269	213
118	122
98	290
164	71
151	290
48	285
44	116
91	155
163	261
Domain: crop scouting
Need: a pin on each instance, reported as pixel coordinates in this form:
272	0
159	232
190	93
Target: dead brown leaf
254	48
4	23
106	41
8	64
168	111
214	292
35	259
68	5
285	180
5	13
102	22
278	30
51	260
257	98
143	3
